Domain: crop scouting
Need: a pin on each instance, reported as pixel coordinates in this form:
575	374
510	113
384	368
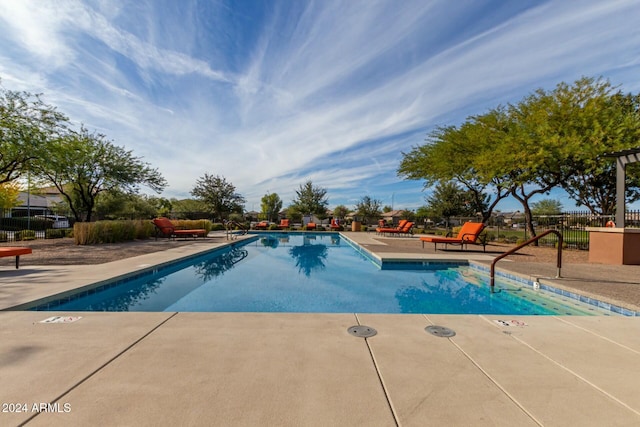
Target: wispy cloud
273	94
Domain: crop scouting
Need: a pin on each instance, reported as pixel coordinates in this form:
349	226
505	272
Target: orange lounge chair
468	234
165	228
262	225
311	226
335	224
385	230
15	251
284	223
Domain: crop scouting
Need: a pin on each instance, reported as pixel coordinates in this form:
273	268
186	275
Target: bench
16	252
165	227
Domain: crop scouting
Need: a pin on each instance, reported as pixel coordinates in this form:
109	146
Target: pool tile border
613	308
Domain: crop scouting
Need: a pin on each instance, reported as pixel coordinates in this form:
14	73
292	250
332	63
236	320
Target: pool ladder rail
230	227
528	242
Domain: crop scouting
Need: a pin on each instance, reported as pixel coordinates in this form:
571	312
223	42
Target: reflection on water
309	257
216	266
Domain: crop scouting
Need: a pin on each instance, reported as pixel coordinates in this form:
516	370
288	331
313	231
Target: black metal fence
572	225
511	228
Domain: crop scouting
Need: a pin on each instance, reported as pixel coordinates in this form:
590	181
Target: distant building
45	202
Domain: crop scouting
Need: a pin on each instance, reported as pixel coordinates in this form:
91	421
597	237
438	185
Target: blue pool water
312	273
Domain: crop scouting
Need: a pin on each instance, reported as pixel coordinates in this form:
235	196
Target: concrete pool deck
306	369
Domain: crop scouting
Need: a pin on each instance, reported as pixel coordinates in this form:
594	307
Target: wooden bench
14	251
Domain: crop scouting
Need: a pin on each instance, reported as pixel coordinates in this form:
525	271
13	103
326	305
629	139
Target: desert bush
88	233
25	235
54	233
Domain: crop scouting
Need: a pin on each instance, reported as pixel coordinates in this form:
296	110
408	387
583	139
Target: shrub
87	233
25	235
274	227
54	233
217	226
3	237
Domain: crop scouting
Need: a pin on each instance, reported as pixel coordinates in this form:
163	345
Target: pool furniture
166	228
468	234
335	225
388	230
262	225
311	226
15	251
284	223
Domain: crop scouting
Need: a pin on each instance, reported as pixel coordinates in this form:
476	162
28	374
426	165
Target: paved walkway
305	369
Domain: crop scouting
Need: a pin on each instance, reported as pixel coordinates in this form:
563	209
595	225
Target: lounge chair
166	228
405	228
468	235
284	223
335	225
15	251
388	230
262	225
311	226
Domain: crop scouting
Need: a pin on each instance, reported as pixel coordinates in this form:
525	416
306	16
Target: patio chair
262	225
335	225
386	230
284	223
468	235
311	226
166	228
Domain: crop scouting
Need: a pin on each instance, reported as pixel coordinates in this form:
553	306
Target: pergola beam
623	158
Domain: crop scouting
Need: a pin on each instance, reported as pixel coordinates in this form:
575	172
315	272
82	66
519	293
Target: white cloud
331	91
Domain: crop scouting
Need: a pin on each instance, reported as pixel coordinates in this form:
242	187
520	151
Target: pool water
313	273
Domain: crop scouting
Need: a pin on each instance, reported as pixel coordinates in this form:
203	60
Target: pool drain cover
362	331
440	331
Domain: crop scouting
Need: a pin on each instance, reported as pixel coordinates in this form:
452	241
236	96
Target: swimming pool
321	272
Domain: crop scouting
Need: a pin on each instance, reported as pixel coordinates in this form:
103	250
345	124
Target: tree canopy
369	209
311	200
271	205
82	165
547	140
218	195
27	124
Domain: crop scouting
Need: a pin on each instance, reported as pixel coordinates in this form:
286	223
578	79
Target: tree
546	207
369	209
448	200
340	211
9	192
311	200
218	195
387	209
83	165
27	125
271	206
116	204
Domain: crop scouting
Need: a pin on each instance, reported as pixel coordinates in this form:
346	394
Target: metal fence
572	225
512	229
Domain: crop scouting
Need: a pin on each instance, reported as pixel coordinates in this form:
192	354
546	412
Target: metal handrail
228	226
517	248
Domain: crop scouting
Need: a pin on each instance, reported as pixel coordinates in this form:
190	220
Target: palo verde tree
456	154
218	195
271	205
27	125
340	211
311	200
82	165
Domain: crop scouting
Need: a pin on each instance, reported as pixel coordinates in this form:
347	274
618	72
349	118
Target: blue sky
270	94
